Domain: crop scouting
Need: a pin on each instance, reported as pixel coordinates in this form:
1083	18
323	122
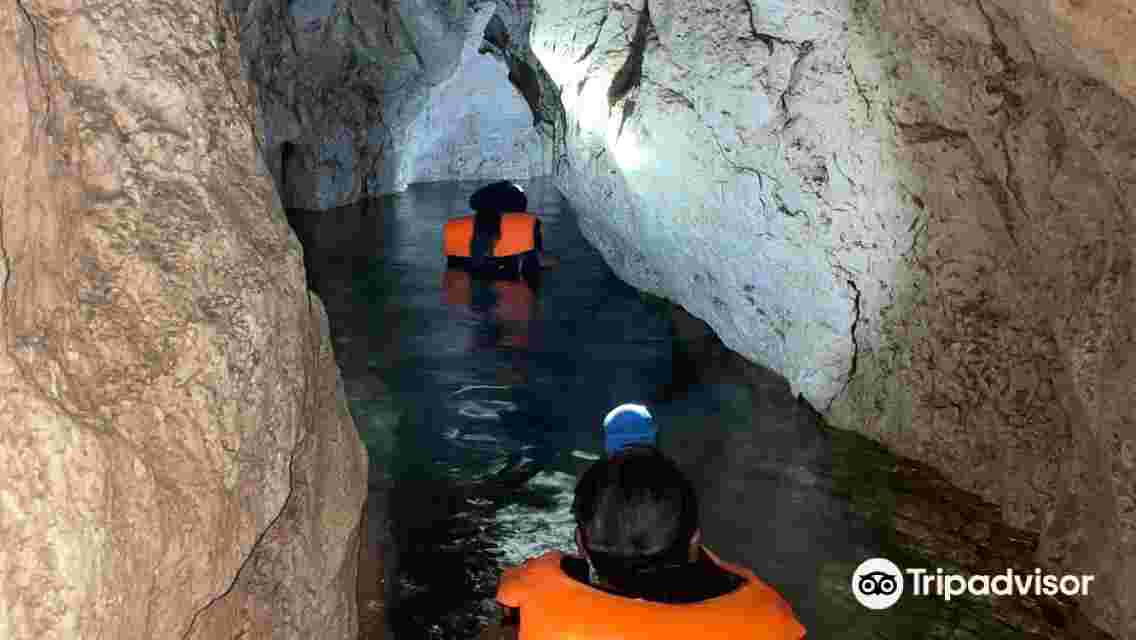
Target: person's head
489	202
499	197
636	514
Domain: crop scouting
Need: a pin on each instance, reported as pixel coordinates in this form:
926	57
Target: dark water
477	420
491	416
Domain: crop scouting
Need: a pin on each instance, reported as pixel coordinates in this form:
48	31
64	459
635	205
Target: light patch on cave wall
682	184
477	127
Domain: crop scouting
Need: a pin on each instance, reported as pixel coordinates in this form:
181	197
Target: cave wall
921	213
476	125
360	98
177	458
340	85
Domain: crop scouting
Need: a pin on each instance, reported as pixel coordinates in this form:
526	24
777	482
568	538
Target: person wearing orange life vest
500	244
501	240
643	573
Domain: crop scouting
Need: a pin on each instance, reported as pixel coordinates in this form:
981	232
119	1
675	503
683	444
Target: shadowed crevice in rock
630	75
803	49
524	78
592	45
767	39
5	261
529	81
507	39
496	33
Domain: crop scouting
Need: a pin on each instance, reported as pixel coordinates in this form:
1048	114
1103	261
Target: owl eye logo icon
877	583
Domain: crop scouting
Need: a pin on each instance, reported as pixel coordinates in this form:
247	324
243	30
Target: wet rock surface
804	503
177	459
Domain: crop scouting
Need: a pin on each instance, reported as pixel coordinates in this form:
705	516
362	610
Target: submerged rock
177	458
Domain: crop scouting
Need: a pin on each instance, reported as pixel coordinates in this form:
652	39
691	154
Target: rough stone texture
314	543
346	89
839	498
340	84
477	126
920	214
176	458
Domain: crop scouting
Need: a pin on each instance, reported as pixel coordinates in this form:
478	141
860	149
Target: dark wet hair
489	202
636	512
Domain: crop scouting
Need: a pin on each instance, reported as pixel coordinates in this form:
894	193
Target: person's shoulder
518	582
544	562
457	221
767	602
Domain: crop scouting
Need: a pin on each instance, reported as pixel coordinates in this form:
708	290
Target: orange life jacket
556	607
517	235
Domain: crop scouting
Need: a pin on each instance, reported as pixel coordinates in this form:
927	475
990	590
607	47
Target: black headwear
489	202
637	513
499	197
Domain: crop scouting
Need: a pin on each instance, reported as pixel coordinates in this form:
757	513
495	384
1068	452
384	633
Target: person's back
642	572
501	241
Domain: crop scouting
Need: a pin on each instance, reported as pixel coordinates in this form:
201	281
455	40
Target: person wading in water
494	260
501	241
642	572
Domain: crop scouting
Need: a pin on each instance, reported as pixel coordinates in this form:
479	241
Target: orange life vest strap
556	607
518	235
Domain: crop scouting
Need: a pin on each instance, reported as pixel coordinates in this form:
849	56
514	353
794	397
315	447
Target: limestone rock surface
358	98
340	85
922	214
176	458
476	126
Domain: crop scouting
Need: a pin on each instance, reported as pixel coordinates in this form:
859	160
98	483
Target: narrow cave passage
478	420
477	412
480	406
922	214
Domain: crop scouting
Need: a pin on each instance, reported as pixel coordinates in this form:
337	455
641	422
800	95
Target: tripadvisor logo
878	583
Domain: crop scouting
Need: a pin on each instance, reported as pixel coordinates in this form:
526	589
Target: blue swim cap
628	424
